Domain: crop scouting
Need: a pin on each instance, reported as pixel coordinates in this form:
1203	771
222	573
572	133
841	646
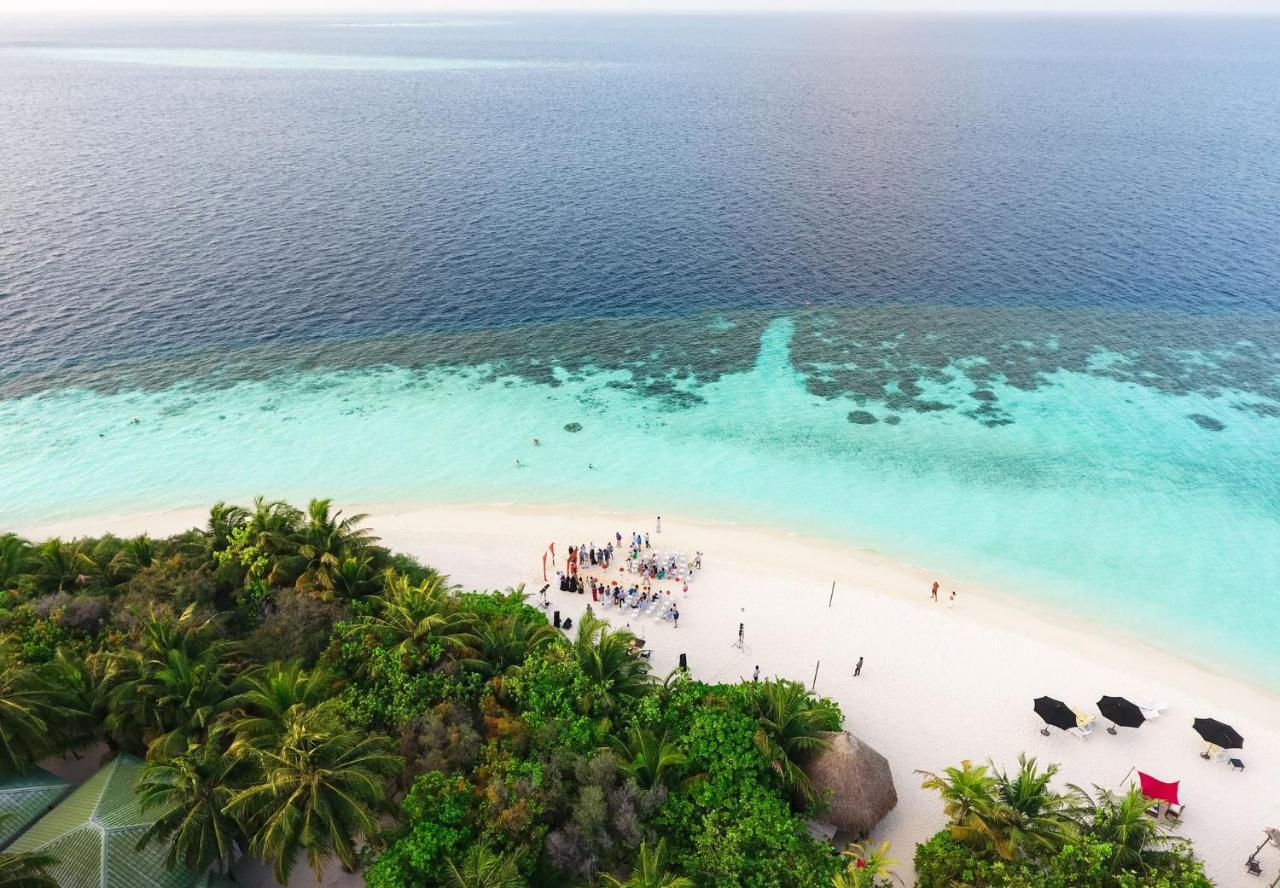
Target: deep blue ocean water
997	295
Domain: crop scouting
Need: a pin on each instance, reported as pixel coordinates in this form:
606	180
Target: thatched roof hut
857	781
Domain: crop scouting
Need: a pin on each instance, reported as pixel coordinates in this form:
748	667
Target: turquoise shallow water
1095	494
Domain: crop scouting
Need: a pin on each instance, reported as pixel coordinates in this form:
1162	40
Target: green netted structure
25	798
93	834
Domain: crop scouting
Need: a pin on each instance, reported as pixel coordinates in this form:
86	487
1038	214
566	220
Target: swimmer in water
537	443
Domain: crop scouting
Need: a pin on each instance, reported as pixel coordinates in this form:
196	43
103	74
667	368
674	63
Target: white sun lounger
1080	733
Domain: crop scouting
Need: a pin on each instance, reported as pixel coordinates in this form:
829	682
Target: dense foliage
302	693
1014	831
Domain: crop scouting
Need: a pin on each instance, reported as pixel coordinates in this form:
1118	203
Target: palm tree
357	576
790	727
1028	814
266	696
223	521
60	564
615	676
16	558
650	759
172	700
315	791
503	645
32	711
1137	841
326	540
170	685
483	868
1012	814
18	870
649	871
188	795
133	555
963	790
417	618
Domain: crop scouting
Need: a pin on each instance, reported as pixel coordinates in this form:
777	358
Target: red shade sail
1158	789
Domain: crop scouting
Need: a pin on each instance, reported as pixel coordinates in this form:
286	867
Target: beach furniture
1080	733
1121	713
1216	733
1055	714
1237	764
1152	710
1252	868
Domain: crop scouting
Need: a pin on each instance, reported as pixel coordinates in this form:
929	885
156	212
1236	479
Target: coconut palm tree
357	576
19	870
503	645
315	791
615	676
789	732
59	565
417	619
484	868
223	521
963	790
648	758
326	539
1028	815
16	558
649	871
133	555
1137	841
172	700
29	709
188	794
266	696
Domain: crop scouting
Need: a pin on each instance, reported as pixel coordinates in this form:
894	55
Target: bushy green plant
438	813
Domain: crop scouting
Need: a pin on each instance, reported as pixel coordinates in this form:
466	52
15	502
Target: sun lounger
1152	710
1080	733
1252	868
1173	812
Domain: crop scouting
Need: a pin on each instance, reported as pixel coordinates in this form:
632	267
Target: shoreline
1007	608
940	685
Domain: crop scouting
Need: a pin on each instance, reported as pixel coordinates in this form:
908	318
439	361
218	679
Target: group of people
951	599
637	594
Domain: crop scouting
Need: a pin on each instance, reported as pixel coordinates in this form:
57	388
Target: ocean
995	296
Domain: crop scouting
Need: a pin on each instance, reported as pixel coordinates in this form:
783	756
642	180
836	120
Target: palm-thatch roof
856	780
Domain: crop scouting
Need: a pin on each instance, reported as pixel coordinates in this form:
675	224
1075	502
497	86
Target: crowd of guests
643	567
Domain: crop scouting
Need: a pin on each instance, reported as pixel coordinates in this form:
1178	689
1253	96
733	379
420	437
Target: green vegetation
299	691
1014	831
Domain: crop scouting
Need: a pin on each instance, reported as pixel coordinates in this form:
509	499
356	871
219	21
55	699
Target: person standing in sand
952	600
755	676
659	524
857	669
934	594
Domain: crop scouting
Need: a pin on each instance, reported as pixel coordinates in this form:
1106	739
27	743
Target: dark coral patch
573	426
862	417
1206	422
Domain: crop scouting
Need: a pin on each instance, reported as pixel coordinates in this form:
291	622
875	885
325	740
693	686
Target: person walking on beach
934	594
659	524
755	676
952	600
857	669
675	616
646	542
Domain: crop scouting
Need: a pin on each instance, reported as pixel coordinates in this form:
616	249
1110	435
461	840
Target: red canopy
1158	789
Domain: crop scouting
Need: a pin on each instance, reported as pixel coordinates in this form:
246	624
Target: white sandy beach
939	684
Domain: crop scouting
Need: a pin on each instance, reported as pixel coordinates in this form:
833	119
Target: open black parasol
1120	712
1215	733
1055	713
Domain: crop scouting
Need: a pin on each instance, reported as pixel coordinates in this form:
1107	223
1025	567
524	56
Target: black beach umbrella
1056	713
1215	733
1120	712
